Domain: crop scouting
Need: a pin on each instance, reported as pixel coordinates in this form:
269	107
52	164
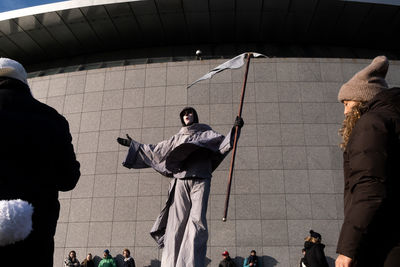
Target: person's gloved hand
238	122
125	142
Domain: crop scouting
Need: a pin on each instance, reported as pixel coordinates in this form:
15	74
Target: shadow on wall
119	259
96	260
157	263
266	261
238	261
153	263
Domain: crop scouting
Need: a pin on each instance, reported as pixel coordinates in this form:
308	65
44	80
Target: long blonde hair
349	122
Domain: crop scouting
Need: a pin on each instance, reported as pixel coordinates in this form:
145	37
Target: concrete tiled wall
288	176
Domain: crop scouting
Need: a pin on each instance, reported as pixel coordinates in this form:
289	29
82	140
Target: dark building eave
171	28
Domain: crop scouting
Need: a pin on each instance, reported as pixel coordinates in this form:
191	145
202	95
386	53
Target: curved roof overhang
79	29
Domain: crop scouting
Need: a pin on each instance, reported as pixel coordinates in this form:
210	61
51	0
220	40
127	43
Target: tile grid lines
165	114
69	205
306	151
62	95
209	95
235	106
233	180
234	103
259	178
259	211
209	202
283	174
253	124
76	150
140	171
116	176
94	172
214	194
304	124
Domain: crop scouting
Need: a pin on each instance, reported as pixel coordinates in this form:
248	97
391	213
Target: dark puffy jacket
228	262
372	182
129	262
36	161
315	255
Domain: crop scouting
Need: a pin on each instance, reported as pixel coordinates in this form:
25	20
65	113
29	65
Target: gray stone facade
288	176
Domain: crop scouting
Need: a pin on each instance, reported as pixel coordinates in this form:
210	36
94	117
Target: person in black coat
370	234
227	260
314	251
128	260
88	262
37	160
302	264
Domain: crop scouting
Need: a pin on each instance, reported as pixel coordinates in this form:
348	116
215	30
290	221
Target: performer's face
188	117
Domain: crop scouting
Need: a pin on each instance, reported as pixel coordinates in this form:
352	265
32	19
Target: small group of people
72	261
106	261
250	261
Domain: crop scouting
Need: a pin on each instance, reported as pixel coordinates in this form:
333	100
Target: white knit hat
12	69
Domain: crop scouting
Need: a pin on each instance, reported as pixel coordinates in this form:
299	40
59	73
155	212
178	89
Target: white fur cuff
15	221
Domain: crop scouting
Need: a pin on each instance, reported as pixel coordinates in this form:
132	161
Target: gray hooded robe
189	157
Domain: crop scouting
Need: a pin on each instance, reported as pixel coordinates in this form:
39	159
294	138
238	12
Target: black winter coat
129	263
228	262
315	256
36	161
372	182
86	263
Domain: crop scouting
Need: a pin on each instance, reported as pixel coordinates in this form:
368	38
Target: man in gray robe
189	157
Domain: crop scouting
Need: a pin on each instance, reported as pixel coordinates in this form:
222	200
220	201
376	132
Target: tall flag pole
228	189
234	63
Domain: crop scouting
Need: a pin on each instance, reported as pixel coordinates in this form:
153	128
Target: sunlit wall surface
288	175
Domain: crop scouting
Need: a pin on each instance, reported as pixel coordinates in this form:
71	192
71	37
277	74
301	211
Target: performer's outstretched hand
125	142
238	122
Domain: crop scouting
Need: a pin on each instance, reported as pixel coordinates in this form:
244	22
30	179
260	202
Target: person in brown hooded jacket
370	234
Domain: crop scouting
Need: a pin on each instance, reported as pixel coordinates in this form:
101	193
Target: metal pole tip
224	219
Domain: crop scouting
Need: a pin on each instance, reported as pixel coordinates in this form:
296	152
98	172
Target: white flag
234	63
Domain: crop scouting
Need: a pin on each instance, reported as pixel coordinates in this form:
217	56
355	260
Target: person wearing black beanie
314	251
